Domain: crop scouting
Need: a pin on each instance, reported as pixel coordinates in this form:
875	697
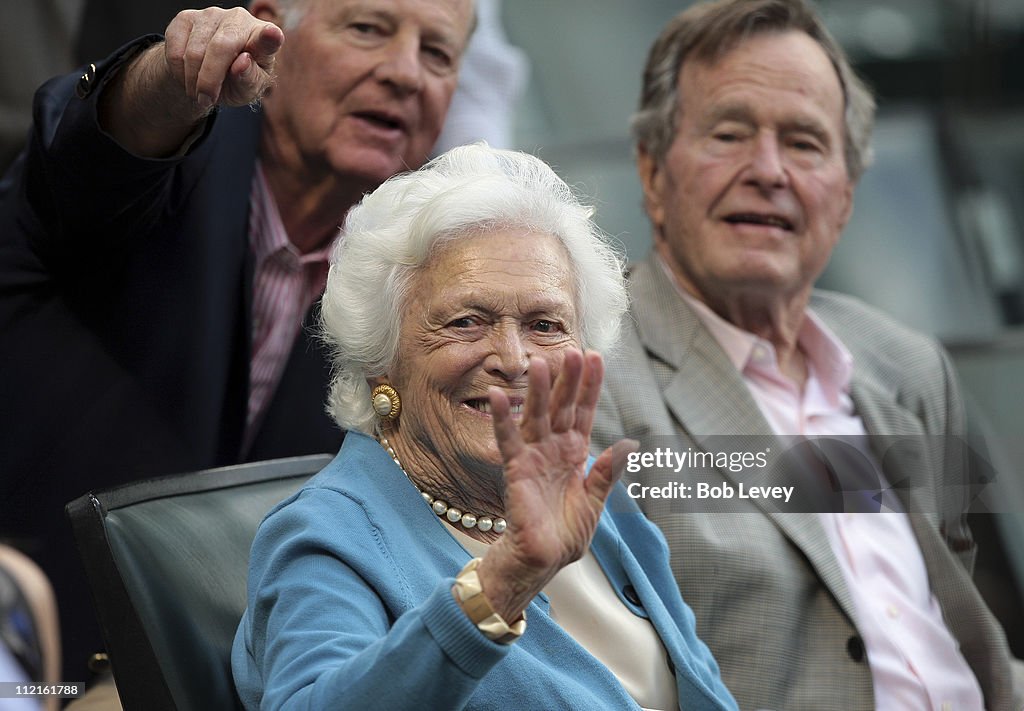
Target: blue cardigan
350	606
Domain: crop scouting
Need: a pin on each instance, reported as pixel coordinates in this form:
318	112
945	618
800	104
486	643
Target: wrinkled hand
221	56
210	56
552	506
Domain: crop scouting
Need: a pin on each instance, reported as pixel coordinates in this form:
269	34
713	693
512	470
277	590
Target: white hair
291	12
395	229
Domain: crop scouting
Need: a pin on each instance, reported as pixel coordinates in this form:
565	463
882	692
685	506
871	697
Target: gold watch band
477	607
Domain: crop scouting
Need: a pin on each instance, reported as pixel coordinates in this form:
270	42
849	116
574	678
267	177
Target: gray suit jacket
769	596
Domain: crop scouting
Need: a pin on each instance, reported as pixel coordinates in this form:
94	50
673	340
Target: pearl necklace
442	509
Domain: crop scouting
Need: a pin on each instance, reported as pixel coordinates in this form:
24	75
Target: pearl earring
386	402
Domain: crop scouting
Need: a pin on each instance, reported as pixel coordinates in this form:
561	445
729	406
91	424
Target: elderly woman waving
457	553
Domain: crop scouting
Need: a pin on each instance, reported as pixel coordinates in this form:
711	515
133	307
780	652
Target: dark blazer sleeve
76	178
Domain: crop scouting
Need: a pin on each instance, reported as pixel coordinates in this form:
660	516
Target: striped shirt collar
268	236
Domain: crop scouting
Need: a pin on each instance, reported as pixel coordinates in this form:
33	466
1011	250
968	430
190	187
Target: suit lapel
900	445
708	397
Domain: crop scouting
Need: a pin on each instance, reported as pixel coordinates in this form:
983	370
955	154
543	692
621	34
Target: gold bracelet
477	607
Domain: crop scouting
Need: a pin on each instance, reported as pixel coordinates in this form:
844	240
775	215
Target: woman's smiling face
477	311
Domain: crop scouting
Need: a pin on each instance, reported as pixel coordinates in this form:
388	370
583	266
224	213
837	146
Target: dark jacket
125	319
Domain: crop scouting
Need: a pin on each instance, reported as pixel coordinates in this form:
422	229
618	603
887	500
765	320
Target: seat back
167	560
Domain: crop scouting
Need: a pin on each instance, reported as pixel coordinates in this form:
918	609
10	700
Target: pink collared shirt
285	285
915	662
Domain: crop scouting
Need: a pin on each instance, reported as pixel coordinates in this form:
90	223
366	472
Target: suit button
85	81
855	648
629	592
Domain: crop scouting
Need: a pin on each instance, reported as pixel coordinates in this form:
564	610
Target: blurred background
937	235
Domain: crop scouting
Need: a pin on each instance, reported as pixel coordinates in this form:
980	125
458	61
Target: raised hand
209	57
221	56
552	505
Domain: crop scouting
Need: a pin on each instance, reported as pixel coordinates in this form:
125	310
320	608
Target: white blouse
586	606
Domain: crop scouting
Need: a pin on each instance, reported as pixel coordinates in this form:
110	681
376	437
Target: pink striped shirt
285	285
915	661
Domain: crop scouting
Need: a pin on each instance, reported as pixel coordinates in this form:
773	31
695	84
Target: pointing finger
264	42
229	56
221	52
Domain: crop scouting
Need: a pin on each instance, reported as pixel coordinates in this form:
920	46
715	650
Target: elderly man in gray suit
751	134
